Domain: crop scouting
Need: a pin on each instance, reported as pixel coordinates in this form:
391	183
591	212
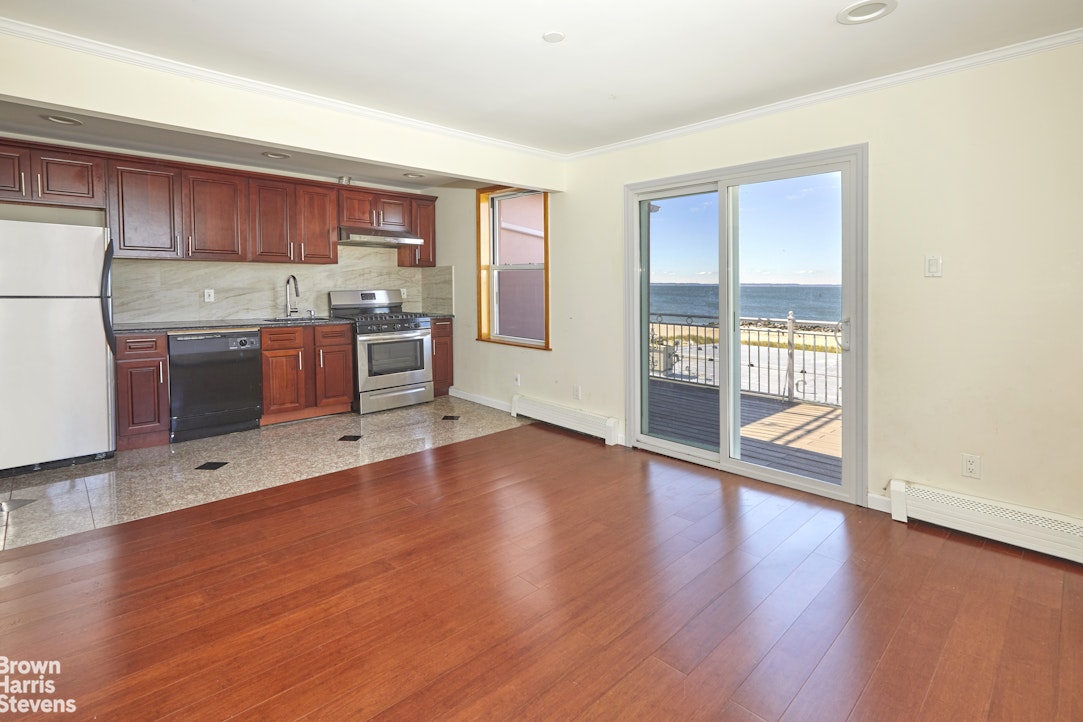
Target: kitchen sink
299	319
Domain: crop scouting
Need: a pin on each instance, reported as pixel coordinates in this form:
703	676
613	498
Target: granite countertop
233	323
223	323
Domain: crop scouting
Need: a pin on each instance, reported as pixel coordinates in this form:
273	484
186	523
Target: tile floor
145	482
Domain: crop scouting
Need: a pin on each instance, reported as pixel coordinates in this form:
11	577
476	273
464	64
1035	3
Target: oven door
388	360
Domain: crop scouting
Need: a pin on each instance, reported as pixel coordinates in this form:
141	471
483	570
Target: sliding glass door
746	290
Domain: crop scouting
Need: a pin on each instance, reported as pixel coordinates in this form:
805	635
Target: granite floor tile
145	482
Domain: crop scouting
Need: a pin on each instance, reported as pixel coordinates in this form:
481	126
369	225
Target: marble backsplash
167	290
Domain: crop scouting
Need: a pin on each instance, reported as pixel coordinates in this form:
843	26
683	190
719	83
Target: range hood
377	238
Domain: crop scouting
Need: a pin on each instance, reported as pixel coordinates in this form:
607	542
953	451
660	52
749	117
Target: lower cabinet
307	371
142	391
443	368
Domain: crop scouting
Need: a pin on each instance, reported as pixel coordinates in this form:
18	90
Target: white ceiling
627	69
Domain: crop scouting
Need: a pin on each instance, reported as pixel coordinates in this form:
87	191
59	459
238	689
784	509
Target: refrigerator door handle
106	298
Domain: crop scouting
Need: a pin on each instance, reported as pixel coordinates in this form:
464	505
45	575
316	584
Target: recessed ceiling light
865	11
275	155
62	120
553	36
413	175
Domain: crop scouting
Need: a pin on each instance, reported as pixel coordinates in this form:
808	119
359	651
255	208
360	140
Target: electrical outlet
208	295
517	379
403	290
972	466
577	392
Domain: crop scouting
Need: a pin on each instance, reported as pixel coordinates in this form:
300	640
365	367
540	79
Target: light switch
934	266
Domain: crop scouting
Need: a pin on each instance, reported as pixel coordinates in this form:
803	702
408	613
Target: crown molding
193	72
1010	52
152	62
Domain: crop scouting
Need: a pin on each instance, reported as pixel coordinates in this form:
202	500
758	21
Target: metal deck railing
791	359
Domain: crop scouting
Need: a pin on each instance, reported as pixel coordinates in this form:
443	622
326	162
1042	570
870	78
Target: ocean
675	301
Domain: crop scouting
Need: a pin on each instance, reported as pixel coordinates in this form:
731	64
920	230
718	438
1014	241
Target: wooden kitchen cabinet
334	367
365	209
292	223
283	352
145	209
317	223
307	371
142	374
55	177
215	215
443	367
424	225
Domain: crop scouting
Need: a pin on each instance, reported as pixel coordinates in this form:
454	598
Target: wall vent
585	422
1041	531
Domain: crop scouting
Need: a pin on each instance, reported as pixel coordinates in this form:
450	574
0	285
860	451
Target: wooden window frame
485	269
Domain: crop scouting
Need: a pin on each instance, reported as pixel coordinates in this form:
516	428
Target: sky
790	232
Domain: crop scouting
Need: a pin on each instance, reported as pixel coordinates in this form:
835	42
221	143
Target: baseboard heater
1041	531
585	422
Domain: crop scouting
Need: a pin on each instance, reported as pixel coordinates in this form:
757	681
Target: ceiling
625	70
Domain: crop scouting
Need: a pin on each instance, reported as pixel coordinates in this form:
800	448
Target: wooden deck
798	438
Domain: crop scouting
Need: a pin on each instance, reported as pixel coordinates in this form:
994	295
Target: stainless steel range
394	349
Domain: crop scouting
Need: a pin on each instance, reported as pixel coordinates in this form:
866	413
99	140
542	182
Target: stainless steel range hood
377	238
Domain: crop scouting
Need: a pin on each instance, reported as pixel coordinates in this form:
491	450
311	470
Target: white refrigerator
56	345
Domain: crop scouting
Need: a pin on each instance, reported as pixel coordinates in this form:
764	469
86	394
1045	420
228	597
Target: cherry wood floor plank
536	574
897	687
833	688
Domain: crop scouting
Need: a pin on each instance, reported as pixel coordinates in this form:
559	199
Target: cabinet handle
302	253
373	214
39	185
22	184
290	254
161	373
300	363
381	218
321	358
189	245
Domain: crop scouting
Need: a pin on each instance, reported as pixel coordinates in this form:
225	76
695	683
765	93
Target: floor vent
585	422
1041	531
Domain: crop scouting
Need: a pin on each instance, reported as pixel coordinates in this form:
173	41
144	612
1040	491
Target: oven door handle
394	336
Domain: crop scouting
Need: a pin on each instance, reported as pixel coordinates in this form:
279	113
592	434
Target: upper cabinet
164	209
317	223
215	215
366	209
33	175
424	225
145	209
292	222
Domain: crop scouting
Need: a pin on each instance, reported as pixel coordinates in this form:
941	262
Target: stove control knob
398	326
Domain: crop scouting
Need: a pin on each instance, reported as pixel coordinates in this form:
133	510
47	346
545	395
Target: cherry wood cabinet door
283	381
55	177
424	225
14	172
443	367
142	391
357	209
70	179
363	209
145	210
334	375
334	364
271	222
393	213
317	224
215	215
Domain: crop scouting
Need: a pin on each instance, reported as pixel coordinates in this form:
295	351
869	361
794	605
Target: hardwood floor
537	574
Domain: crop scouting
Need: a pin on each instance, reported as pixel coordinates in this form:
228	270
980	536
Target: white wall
982	167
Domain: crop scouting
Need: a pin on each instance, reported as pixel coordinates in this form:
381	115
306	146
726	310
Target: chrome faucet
290	310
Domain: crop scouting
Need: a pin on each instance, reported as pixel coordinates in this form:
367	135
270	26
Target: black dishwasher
215	383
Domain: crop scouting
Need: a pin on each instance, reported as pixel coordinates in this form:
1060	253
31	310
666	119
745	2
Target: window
513	273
